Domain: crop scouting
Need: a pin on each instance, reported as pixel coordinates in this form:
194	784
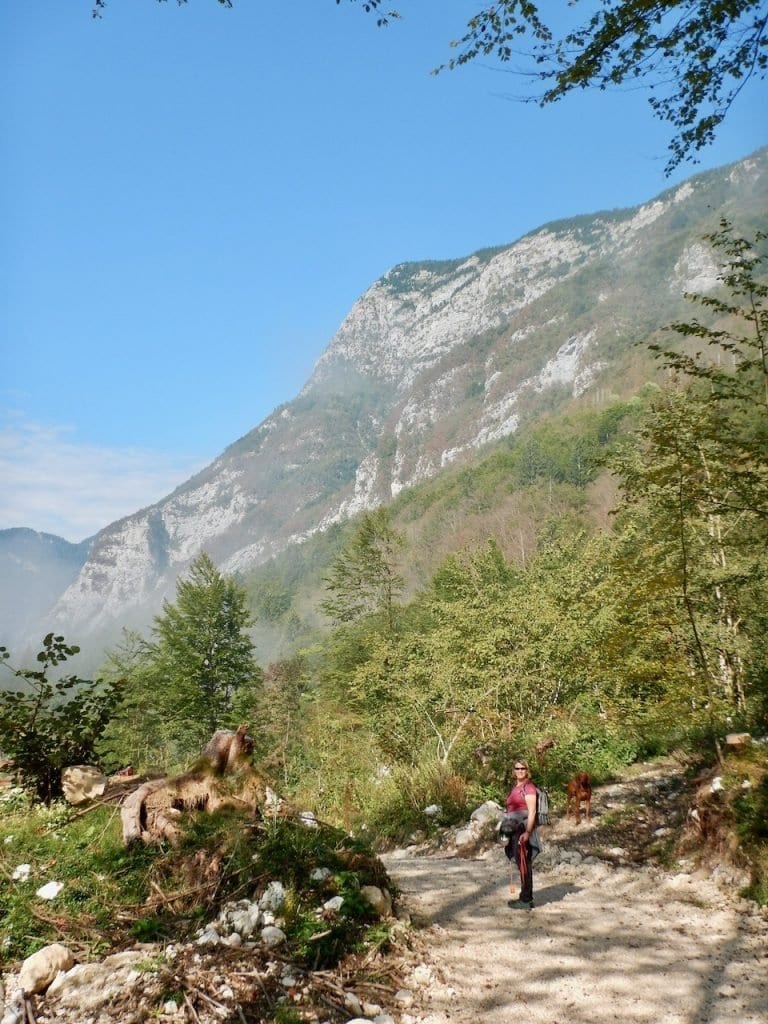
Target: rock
82	782
738	740
272	936
466	837
21	873
50	890
320	874
334	905
89	986
422	976
353	1004
488	813
379	899
404	997
273	897
39	970
433	811
210	937
244	919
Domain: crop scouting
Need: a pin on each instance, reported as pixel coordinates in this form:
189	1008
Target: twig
153	884
241	1015
192	1010
257	976
374	984
332	986
49	921
218	1006
263	988
30	1014
170	899
87	810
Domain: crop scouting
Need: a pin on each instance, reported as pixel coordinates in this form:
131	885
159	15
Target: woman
524	841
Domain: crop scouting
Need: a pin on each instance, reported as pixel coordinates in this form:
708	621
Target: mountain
33	567
435	362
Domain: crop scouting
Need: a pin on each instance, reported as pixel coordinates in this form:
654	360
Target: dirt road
606	942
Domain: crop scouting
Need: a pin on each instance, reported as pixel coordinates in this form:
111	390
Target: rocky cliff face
433	362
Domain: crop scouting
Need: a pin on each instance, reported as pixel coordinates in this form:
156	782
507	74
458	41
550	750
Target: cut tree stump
222	776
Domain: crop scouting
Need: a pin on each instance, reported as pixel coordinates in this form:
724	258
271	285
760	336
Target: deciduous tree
365	579
202	652
48	725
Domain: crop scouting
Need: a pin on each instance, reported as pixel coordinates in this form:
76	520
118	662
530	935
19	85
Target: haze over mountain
435	362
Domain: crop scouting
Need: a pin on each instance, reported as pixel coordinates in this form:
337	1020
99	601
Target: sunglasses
520	768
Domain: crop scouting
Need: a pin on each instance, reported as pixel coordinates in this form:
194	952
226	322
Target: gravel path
605	943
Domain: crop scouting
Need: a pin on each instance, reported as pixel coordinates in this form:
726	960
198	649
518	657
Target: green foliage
751	810
284	1014
395	809
104	902
86	854
696	489
202	648
290	852
365	578
196	675
47	726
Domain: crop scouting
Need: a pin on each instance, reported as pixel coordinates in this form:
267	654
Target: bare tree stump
152	812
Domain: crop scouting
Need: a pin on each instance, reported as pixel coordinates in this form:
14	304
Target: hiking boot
520	904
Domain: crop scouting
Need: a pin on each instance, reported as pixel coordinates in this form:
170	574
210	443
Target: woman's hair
521	760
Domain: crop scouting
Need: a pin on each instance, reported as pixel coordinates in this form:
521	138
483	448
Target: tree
47	726
697	484
202	657
364	578
138	735
695	55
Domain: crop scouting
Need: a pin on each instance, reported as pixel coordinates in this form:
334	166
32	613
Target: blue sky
193	198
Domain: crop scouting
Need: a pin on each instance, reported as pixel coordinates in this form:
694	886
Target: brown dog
578	792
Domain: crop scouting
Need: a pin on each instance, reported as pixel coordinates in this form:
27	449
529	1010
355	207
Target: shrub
397	805
47	726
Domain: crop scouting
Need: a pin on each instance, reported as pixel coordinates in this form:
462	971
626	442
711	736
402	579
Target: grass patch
112	896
